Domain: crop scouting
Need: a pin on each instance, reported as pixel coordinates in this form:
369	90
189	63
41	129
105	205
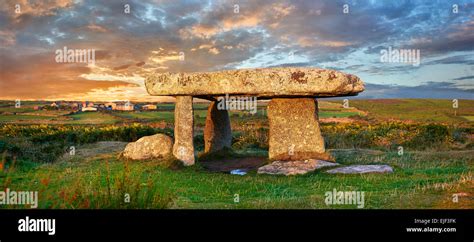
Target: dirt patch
227	165
95	149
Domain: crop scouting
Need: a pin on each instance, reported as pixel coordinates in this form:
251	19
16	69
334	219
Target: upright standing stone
217	132
294	130
183	148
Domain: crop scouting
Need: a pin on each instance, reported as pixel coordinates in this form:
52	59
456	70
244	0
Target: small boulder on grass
148	147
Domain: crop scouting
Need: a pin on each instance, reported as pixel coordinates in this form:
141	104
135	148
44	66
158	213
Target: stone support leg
183	148
217	132
294	130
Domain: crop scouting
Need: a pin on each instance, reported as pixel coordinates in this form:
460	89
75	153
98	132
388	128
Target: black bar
377	225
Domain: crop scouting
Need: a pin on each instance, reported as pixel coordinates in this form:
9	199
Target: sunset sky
214	36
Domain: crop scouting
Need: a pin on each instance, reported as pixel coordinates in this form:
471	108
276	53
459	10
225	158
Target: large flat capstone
266	83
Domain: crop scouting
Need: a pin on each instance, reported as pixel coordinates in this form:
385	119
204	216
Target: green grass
98	182
92	118
422	110
469	118
13	118
328	114
16	110
147	116
426	176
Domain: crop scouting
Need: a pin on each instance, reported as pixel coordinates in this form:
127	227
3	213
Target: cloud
7	38
18	9
213	36
463	78
457	59
97	28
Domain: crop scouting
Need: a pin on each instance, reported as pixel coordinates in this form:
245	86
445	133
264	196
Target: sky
133	39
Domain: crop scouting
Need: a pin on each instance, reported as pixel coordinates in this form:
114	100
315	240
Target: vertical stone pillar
217	132
294	130
183	148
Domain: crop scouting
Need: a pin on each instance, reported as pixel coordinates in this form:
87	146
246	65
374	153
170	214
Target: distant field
469	118
92	118
147	116
13	118
12	109
423	110
418	110
328	114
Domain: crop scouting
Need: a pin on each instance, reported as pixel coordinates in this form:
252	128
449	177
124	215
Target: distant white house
125	107
89	109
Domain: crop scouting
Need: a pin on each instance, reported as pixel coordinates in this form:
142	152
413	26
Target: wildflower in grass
45	181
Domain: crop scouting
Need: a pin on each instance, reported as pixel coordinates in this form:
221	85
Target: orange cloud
203	31
242	19
311	42
7	38
97	28
19	8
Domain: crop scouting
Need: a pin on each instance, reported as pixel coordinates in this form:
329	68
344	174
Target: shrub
252	138
45	143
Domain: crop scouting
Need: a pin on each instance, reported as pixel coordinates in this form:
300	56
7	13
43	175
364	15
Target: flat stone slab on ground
361	169
266	82
299	167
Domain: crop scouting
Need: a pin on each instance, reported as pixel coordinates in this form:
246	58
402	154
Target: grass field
147	116
92	118
13	118
422	110
436	165
167	116
420	180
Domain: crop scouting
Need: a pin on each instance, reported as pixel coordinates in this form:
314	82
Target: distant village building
125	107
110	106
89	109
149	107
54	105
